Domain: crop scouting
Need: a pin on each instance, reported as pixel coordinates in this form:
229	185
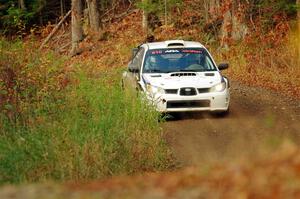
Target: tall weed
89	129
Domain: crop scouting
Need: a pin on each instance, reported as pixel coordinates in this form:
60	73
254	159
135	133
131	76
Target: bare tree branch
55	29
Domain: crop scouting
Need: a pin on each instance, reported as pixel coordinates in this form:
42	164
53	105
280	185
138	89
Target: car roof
173	44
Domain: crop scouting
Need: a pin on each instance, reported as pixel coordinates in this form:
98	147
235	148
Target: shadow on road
194	116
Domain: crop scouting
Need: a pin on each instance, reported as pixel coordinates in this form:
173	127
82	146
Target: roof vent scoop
174	43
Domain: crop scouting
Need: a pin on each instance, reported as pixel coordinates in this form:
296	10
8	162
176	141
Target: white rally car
178	76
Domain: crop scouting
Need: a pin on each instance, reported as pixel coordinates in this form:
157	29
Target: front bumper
212	101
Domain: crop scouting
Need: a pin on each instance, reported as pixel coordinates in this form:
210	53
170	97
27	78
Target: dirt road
259	119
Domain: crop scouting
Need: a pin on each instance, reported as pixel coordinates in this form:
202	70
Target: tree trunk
77	30
94	15
206	6
213	8
225	29
298	14
233	27
235	31
62	7
166	13
22	4
145	18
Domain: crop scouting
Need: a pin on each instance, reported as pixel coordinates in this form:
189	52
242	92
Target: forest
64	117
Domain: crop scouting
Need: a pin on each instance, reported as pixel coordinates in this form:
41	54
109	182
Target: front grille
188	104
203	90
171	91
188	91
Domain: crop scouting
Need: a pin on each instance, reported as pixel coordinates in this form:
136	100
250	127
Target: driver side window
138	59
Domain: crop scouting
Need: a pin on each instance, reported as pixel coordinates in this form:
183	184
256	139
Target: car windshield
176	60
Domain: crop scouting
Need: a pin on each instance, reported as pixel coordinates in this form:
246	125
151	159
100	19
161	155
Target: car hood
178	80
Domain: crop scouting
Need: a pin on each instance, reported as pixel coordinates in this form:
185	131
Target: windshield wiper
154	71
159	71
190	70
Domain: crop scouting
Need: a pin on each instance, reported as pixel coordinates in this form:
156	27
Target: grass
89	129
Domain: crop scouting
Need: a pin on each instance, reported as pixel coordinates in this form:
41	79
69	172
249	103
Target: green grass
89	130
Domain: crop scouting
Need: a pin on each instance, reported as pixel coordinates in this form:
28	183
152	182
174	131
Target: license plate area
188	104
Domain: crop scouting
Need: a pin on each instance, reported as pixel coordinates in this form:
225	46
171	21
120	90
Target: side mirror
134	51
132	68
223	66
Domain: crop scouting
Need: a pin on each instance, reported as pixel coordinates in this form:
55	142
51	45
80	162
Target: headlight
219	87
154	89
